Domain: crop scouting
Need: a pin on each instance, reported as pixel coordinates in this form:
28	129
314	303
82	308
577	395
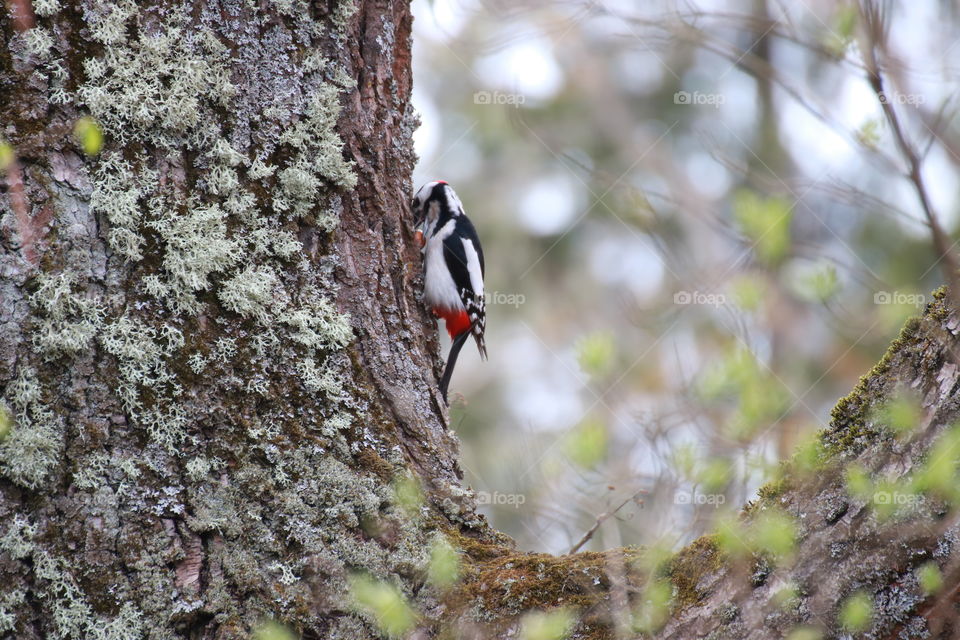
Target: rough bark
217	365
846	541
210	339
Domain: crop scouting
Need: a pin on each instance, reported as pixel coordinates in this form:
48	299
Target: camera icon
682	297
681	97
482	97
882	497
682	498
882	297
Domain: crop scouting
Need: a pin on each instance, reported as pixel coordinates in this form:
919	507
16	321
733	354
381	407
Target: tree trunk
212	346
219	372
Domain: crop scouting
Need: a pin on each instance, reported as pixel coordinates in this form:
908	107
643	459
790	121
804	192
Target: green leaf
5	423
930	578
762	401
7	155
654	609
586	444
729	375
384	602
444	563
901	415
939	472
714	474
805	633
858	482
889	497
595	353
840	33
869	133
774	532
407	492
845	20
766	223
749	291
550	625
819	285
809	455
788	596
684	459
89	134
856	612
731	536
272	630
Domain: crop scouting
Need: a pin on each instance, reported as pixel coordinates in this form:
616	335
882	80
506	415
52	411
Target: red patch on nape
441	182
457	320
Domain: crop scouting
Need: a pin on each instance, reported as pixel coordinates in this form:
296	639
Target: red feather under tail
457	320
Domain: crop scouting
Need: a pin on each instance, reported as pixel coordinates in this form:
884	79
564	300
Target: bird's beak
418	216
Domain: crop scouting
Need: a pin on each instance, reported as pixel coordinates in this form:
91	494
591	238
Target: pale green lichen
34	446
319	379
151	88
117	191
224	349
287	7
91	473
46	8
251	293
8	604
38	41
342	12
71	615
95	469
197	246
199	468
197	362
154	90
317	146
108	20
69	320
225	153
142	353
317	323
259	170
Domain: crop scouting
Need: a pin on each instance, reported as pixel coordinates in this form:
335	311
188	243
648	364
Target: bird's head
431	199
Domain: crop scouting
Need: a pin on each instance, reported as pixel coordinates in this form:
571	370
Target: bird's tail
458	343
481	344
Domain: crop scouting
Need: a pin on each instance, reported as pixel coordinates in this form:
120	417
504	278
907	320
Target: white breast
439	288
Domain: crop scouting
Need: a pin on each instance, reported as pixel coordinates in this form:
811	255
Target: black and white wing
464	259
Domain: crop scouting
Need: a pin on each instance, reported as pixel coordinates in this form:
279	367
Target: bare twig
876	34
603	517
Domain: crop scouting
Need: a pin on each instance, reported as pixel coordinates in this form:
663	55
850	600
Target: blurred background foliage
698	232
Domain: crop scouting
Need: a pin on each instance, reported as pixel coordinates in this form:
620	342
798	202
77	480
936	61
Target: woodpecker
453	264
